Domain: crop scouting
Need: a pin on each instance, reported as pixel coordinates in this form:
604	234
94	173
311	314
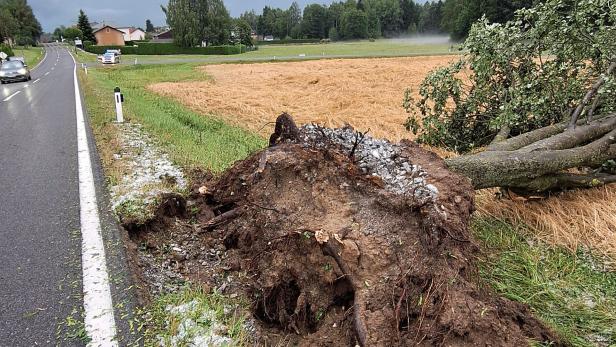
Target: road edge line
98	306
11	96
42	60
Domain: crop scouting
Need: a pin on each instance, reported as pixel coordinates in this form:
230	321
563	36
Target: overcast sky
53	13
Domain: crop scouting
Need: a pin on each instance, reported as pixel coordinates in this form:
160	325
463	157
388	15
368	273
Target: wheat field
366	93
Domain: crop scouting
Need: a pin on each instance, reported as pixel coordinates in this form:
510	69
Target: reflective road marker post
119	99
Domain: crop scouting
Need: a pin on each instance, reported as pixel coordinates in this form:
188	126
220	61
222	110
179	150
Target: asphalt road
41	295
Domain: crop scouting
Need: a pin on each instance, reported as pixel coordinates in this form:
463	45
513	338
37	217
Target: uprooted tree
539	93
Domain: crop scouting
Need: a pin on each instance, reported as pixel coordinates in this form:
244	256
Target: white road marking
40	62
46	73
36	80
11	96
99	320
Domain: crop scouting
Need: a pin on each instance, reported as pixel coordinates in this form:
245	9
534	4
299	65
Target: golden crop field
366	93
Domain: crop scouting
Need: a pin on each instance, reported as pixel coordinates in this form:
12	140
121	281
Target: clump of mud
339	239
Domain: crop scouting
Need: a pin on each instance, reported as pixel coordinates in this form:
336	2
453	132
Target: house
164	37
132	34
109	36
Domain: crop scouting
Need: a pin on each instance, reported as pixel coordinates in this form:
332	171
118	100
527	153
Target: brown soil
327	257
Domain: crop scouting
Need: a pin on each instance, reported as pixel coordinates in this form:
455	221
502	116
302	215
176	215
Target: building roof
165	35
107	26
130	29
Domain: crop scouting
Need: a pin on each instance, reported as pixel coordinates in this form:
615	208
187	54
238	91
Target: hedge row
287	42
170	49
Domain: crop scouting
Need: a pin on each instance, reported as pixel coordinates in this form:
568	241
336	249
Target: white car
110	58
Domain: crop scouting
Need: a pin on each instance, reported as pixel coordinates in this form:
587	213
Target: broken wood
221	219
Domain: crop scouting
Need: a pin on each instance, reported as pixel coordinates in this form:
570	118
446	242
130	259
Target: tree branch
526	139
502	135
593	108
589	95
562	181
575	137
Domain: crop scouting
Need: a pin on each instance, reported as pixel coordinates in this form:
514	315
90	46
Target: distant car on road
13	71
110	58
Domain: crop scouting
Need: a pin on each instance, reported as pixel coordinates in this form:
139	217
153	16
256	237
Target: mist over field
428	39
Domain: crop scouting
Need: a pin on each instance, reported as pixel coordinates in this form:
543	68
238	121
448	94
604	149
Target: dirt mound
336	239
343	239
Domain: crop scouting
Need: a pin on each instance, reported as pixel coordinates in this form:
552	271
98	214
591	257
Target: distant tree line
459	15
349	19
207	21
18	23
355	19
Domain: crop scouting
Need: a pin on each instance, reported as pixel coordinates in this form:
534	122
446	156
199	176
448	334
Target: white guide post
119	99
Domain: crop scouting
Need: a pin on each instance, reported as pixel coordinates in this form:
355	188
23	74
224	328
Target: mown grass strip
190	138
568	291
32	55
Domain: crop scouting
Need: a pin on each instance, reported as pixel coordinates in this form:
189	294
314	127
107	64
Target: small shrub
6	49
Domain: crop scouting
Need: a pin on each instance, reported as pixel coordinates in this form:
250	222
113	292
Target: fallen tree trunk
538	161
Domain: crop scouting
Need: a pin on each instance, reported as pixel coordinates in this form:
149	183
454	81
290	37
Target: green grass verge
191	316
190	138
33	55
563	289
355	49
83	56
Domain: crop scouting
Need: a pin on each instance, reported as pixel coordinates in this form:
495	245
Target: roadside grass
192	317
84	57
570	292
108	138
189	138
33	55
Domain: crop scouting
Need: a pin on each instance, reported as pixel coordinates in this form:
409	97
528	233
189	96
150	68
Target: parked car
13	71
110	58
116	51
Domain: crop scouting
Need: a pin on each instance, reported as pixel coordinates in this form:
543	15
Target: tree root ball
337	257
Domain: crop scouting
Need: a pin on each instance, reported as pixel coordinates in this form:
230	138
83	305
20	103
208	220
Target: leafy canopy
522	75
17	21
83	24
195	21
